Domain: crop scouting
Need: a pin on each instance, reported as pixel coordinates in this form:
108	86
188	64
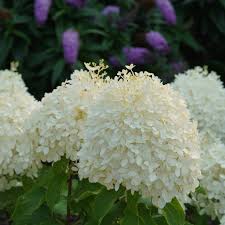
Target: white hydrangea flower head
211	200
11	80
7	183
205	97
138	134
16	105
56	126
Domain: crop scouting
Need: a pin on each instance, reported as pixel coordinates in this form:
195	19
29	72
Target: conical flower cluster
205	97
16	105
138	134
56	128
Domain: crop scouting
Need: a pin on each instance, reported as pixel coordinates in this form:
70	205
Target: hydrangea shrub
126	142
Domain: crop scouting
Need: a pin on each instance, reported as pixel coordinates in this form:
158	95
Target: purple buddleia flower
137	55
41	10
167	11
157	42
76	3
178	66
114	61
71	45
111	9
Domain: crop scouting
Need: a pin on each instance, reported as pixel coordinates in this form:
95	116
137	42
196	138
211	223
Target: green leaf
54	190
115	213
218	18
131	211
86	189
59	29
94	31
8	198
159	220
17	19
57	181
145	216
27	204
104	203
39	58
57	71
189	40
61	207
22	36
222	2
5	46
174	213
40	216
130	218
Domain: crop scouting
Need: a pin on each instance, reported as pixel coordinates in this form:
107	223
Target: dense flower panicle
205	97
167	11
157	42
41	10
10	81
57	125
16	105
76	3
137	55
138	135
6	183
111	9
211	200
71	45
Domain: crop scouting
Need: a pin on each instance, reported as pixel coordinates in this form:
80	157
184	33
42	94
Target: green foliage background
196	39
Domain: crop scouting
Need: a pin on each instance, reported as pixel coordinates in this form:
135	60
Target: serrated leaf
27	204
54	190
145	216
114	214
8	198
86	189
174	213
159	220
61	207
57	180
131	216
104	203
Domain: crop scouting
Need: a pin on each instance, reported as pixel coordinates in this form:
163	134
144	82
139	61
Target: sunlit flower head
138	134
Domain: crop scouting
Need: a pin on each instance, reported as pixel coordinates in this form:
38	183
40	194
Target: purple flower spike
114	61
137	55
157	42
167	11
41	10
76	3
178	66
71	45
111	9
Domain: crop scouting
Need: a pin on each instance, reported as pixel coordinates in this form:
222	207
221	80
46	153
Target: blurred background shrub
51	38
